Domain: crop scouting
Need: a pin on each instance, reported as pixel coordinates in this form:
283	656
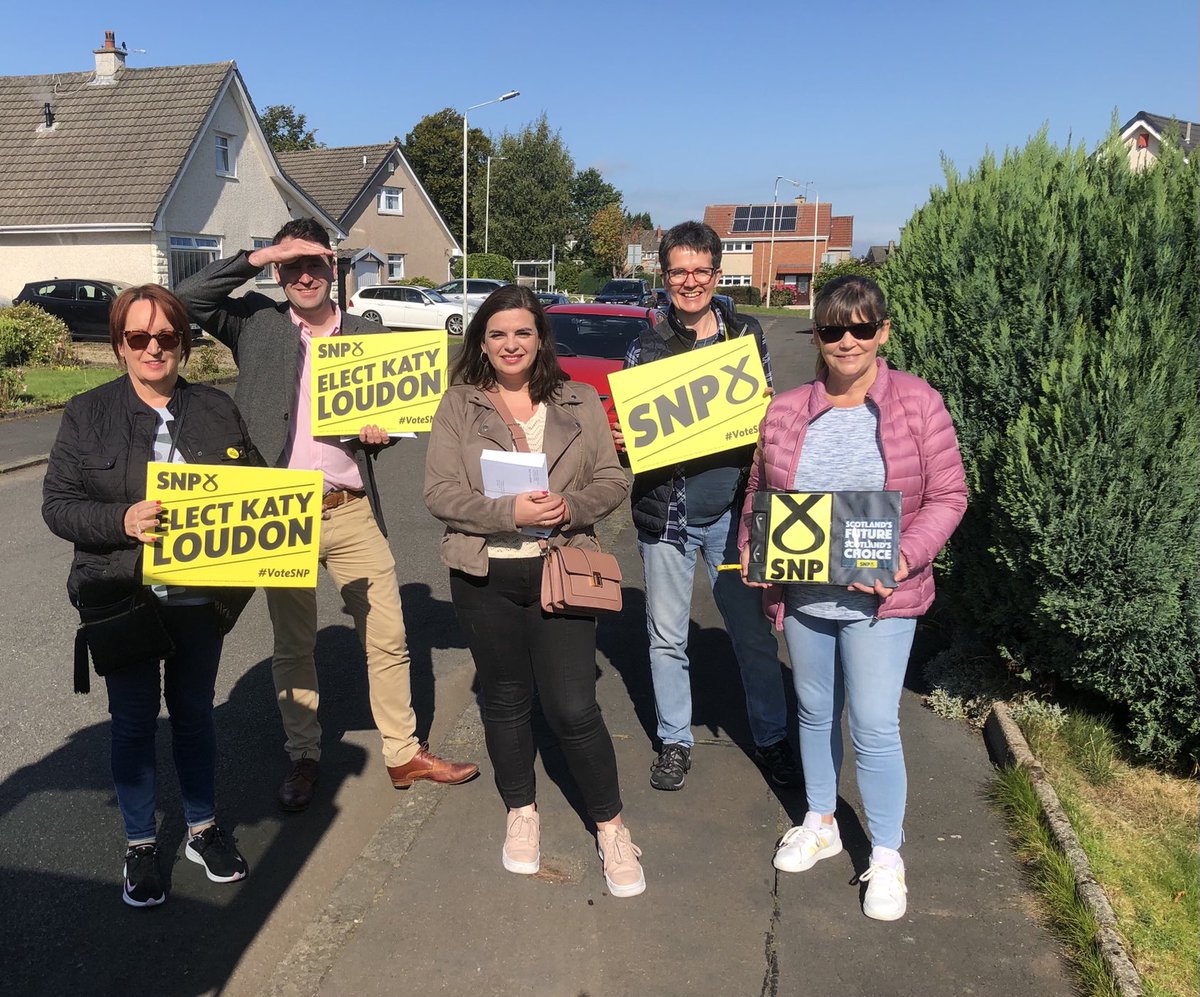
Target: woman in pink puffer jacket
860	426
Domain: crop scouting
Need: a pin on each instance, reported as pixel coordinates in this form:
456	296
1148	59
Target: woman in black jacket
94	496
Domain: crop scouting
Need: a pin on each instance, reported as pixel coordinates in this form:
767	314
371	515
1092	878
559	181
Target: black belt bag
120	634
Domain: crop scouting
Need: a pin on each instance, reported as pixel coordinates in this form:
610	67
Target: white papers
508	472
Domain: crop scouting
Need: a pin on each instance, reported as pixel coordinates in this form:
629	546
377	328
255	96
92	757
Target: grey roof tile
334	178
114	150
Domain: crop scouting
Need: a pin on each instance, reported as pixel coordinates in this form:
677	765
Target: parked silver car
478	288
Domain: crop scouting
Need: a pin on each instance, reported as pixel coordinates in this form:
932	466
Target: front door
366	273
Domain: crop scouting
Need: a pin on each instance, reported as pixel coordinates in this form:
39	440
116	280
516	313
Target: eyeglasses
701	275
139	340
830	334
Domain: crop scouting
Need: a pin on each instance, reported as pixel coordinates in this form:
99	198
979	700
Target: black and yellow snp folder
830	538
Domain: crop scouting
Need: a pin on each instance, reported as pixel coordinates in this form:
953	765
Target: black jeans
516	648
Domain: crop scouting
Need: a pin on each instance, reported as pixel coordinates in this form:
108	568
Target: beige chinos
361	565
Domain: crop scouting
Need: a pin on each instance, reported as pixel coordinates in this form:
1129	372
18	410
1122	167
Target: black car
548	298
82	304
625	292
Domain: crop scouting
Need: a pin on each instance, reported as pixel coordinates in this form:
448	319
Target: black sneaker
780	764
671	765
221	860
143	882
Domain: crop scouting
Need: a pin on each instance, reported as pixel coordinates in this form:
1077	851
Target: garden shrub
12	384
847	268
486	265
419	282
743	295
31	336
1053	297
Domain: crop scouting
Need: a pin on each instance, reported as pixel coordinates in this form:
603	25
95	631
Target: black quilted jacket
97	470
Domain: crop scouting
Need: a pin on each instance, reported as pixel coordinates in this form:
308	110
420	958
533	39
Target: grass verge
1136	825
58	385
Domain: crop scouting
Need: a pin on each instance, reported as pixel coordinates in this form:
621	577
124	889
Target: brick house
804	233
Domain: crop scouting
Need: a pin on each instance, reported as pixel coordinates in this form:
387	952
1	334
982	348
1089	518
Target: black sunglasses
167	341
830	334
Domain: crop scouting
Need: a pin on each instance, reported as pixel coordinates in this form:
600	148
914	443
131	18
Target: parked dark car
591	342
548	298
82	304
625	292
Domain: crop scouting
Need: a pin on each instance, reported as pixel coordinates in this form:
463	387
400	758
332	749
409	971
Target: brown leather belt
339	496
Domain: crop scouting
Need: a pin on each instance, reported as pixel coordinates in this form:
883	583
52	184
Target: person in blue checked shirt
692	509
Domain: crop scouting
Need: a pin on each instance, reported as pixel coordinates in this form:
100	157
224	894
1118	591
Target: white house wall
121	256
235	210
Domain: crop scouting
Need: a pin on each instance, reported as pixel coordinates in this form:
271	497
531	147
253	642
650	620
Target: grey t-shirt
841	453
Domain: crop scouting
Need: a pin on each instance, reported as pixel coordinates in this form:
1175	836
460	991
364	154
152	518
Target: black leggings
517	647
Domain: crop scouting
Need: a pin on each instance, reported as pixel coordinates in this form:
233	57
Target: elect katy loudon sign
234	526
390	379
691	405
825	537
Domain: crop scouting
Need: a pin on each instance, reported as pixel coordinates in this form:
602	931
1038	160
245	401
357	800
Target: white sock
886	856
813	821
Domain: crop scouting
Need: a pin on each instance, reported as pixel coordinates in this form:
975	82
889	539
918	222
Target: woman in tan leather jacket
508	364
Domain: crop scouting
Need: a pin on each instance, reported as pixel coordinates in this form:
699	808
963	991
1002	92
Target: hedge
1053	297
31	336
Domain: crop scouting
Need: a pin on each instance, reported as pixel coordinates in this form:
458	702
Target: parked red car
592	341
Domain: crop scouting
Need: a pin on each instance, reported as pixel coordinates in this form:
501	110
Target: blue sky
684	104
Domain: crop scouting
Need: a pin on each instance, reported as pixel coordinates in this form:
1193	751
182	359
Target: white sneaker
886	898
805	845
522	843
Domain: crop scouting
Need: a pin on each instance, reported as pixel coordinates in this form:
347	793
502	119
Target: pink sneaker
622	870
522	844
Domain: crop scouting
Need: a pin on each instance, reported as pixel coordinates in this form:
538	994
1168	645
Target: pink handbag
580	582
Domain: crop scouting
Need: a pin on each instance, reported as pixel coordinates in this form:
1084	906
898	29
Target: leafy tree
286	130
1053	297
639	221
567	273
531	209
609	237
434	149
847	268
589	193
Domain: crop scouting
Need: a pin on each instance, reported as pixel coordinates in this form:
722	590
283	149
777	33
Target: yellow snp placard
234	526
390	379
691	405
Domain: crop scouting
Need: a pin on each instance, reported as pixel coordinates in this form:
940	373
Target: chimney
109	60
801	199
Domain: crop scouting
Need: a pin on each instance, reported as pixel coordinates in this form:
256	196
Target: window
734	280
395	266
391	201
190	254
224	152
737	247
266	275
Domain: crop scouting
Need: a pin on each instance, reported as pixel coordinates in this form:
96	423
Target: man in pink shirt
272	345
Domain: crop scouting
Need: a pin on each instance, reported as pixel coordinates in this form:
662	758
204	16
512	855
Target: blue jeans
189	682
860	662
669	572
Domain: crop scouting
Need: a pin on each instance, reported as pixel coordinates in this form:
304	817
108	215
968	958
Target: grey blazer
266	346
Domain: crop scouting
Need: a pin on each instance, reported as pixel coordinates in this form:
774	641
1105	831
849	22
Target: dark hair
696	236
160	300
303	228
840	298
472	365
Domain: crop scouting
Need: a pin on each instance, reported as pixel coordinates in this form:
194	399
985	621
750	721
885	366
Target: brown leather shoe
296	793
426	765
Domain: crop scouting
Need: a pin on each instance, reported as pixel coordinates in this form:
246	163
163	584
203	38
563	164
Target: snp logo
798	537
187	481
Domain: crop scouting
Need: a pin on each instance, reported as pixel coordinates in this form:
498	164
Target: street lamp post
812	295
774	225
495	100
487	202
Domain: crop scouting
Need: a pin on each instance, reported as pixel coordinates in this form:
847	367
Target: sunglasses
167	341
830	334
